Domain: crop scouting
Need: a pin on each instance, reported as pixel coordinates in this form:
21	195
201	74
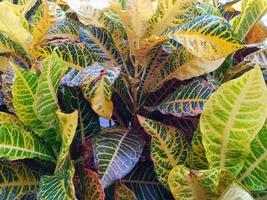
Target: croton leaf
254	173
188	100
123	193
17	142
209	37
88	122
73	53
181	65
197	155
234	192
14	48
67	128
13	18
190	184
100	42
92	188
260	195
44	24
232	117
24	90
17	180
46	103
143	182
7	82
258	57
168	147
251	12
58	186
170	14
117	152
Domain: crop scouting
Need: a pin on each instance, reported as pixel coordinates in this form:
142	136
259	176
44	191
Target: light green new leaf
67	127
168	147
208	37
17	142
186	184
197	155
58	187
117	152
17	180
24	89
252	11
235	192
231	119
46	103
254	173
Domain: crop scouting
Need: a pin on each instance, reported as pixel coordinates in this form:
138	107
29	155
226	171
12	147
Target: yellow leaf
13	25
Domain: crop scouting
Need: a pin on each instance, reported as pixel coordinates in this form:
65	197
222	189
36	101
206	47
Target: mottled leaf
208	37
232	117
258	57
123	193
168	147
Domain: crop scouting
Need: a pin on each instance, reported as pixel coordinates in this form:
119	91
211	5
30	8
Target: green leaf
117	152
100	42
46	103
17	142
17	180
67	128
24	89
168	147
252	11
123	193
254	173
143	182
260	195
88	122
188	100
197	155
91	186
59	186
190	184
235	192
208	37
232	117
73	53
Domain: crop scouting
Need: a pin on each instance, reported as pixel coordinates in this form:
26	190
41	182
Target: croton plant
181	83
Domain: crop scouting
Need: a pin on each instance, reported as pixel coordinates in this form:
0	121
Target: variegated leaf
13	18
235	192
14	48
7	82
232	117
197	156
188	184
258	57
17	180
168	147
46	103
17	142
24	89
254	173
260	195
73	53
59	186
91	186
208	37
100	42
117	152
170	14
188	100
67	128
88	122
43	25
252	11
143	182
123	193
